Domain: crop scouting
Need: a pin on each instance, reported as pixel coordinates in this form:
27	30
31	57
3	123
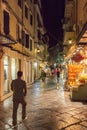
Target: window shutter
27	41
6	22
30	45
23	38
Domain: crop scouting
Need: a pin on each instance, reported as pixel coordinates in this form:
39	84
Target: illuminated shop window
13	68
35	69
6	74
31	71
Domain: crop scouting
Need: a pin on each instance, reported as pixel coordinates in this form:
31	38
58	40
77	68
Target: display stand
73	72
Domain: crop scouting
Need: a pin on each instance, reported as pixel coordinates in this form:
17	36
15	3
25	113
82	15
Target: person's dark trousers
57	79
15	107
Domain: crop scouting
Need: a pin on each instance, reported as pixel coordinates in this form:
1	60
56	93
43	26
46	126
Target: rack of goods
73	72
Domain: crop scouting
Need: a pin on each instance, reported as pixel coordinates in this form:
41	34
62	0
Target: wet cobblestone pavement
48	108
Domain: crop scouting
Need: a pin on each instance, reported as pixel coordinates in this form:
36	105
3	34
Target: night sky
53	14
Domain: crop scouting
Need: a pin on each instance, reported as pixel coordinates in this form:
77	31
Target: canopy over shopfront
82	38
6	40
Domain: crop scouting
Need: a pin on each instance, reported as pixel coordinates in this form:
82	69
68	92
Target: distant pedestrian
43	75
55	71
58	76
18	86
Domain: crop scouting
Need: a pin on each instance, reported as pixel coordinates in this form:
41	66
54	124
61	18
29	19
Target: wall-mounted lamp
38	50
70	41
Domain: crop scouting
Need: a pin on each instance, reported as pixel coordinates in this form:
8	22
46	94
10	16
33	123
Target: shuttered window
31	19
23	38
30	45
6	22
20	3
26	11
27	41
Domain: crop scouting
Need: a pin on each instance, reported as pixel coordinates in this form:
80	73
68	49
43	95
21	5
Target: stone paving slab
47	109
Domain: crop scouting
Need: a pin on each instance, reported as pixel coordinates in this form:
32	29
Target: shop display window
31	71
6	74
73	72
82	77
13	68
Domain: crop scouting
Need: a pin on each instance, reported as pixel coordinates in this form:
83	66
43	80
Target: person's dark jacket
18	86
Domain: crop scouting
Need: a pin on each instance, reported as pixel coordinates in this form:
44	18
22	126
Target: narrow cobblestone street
48	108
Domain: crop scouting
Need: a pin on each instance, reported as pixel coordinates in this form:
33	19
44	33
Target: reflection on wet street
48	108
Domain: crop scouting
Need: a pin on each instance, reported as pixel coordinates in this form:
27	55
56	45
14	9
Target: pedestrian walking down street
18	86
58	76
43	75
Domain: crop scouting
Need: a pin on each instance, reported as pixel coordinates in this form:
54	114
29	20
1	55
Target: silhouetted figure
58	76
43	75
18	86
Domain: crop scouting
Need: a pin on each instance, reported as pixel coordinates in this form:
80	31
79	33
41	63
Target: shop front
10	63
77	66
77	73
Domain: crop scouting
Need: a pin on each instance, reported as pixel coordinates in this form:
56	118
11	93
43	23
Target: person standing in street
43	75
18	86
58	77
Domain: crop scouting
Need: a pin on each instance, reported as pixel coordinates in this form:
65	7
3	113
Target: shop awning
6	40
82	37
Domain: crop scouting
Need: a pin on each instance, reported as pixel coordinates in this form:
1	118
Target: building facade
76	50
17	42
40	41
69	25
75	24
